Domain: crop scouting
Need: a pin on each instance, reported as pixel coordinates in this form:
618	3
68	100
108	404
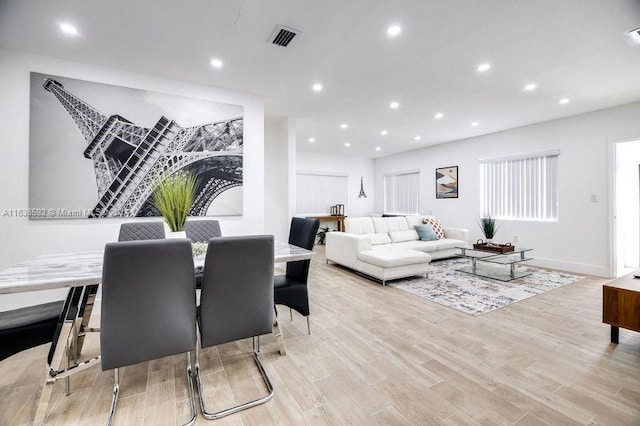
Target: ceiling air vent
282	35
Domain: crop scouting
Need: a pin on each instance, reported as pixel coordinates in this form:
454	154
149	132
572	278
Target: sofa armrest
343	248
457	234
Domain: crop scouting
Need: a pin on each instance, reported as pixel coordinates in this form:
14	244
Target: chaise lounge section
389	248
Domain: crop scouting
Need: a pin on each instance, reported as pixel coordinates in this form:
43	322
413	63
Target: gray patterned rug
475	295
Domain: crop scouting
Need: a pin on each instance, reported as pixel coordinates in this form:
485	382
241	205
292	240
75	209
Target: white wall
21	239
279	150
580	240
354	167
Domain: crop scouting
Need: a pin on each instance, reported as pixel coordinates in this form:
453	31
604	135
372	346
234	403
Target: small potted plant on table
489	228
173	197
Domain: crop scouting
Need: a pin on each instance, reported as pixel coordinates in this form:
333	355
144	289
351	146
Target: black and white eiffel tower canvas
100	149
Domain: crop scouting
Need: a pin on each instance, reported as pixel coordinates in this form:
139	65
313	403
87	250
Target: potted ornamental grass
488	227
173	197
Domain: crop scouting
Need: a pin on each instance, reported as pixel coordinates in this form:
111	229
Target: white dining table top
65	270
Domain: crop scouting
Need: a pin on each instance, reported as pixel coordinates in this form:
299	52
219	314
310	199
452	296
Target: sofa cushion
377	239
424	246
426	232
436	225
449	243
358	225
402	236
393	257
390	224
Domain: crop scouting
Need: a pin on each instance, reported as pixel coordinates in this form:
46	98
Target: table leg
615	334
277	331
66	345
473	264
512	272
45	397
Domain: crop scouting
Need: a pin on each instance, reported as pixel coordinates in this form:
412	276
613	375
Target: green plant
173	197
488	227
322	235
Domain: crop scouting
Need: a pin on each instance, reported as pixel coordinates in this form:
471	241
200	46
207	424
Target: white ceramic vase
177	234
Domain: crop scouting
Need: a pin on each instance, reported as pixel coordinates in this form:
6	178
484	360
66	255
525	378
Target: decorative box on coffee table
486	263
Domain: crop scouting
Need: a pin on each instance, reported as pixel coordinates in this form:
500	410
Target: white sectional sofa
387	248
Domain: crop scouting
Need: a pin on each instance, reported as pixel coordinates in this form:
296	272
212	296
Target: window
520	187
401	193
317	192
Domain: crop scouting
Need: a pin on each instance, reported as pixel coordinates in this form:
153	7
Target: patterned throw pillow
436	225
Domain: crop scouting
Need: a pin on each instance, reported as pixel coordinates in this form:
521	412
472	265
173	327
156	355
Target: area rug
476	295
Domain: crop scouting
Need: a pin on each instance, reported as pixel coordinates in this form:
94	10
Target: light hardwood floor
378	355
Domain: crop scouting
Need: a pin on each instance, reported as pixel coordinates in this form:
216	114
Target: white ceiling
571	48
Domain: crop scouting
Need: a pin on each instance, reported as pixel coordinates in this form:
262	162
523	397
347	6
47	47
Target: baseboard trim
579	268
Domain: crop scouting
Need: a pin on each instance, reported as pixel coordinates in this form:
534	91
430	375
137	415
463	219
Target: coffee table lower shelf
494	272
491	265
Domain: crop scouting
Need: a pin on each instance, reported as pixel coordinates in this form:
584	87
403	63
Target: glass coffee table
488	264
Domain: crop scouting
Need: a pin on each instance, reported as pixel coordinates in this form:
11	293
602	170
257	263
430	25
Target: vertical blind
520	187
401	193
317	192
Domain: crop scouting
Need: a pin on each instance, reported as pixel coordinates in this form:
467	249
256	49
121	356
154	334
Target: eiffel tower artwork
129	158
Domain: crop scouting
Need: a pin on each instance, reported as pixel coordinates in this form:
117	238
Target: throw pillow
436	225
426	232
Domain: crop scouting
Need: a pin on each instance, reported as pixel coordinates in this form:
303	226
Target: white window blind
317	192
520	187
401	192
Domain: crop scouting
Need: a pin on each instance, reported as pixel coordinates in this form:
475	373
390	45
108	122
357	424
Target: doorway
627	206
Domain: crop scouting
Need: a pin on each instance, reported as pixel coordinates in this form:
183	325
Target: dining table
81	273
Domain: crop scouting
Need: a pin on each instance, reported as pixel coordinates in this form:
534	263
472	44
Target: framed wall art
101	149
447	182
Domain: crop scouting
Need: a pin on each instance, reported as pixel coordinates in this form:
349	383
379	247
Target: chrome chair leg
256	344
290	314
192	397
237	408
308	326
116	393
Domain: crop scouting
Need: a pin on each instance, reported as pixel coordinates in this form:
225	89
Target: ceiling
578	49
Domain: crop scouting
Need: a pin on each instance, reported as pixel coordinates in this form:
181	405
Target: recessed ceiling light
378	148
216	63
438	115
635	35
394	30
475	123
344	126
347	144
317	87
394	105
417	138
312	140
530	86
68	29
383	132
483	67
564	101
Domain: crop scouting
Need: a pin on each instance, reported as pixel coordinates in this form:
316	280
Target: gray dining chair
134	231
236	303
148	306
202	230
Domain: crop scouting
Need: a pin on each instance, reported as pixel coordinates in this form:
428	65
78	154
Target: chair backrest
202	230
148	301
236	301
302	234
135	231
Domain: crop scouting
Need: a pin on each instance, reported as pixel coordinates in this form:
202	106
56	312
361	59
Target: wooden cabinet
621	305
